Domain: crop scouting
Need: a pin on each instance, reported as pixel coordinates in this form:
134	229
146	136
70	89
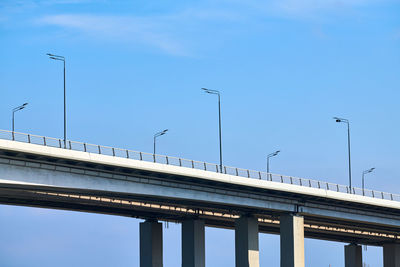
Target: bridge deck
42	176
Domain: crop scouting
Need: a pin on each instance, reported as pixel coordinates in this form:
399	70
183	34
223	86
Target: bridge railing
175	161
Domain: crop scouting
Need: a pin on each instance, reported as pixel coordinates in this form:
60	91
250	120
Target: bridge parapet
187	163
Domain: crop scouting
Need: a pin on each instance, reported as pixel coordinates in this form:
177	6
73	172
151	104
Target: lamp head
20	107
209	91
273	154
337	119
161	133
341	120
368	171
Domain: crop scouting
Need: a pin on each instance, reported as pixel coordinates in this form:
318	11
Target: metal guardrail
130	154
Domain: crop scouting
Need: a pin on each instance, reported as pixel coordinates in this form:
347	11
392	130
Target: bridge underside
142	207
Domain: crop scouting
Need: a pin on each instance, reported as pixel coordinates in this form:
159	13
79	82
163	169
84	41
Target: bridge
38	171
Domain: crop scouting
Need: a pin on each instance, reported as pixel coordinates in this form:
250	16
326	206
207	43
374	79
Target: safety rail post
291	180
259	175
382	195
391	196
363	192
237	173
84	147
180	162
309	183
270	176
319	185
70	146
248	174
281	179
225	169
44	140
12	136
166	158
192	164
99	149
29	138
205	167
140	155
113	150
301	184
59	141
154	158
127	153
216	167
327	186
337	186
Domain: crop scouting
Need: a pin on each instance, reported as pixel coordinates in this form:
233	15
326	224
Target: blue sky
284	69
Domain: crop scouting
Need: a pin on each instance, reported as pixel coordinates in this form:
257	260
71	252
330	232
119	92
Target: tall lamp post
363	174
13	115
270	156
215	92
155	136
61	58
348	144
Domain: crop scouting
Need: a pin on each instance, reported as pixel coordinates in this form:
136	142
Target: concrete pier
246	242
193	244
391	255
292	241
151	244
352	256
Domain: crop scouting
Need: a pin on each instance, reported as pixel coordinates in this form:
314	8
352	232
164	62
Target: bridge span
39	172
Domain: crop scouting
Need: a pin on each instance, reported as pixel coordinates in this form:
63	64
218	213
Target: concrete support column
193	245
352	256
391	255
246	242
292	241
151	248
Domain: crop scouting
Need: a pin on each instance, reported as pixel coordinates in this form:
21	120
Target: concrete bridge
39	172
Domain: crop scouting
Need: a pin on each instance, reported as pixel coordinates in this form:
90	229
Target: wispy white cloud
308	8
172	33
140	30
43	2
176	32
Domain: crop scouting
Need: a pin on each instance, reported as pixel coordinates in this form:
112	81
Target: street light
157	135
61	58
364	173
13	112
270	156
348	143
215	92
